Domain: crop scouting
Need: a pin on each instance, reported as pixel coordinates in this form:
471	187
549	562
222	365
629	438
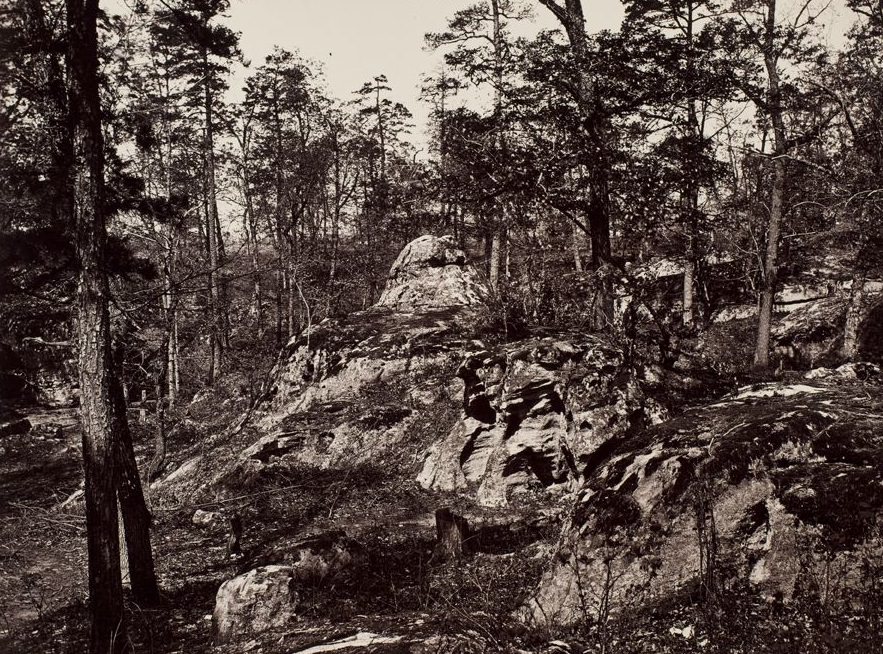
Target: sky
355	40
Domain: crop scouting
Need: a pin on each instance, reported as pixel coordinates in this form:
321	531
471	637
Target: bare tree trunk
174	375
854	313
497	254
280	287
257	294
768	287
212	232
576	242
136	516
771	260
291	303
108	633
688	291
159	450
690	192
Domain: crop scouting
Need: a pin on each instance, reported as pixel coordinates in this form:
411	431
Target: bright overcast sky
356	40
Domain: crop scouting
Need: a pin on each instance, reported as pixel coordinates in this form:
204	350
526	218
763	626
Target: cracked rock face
431	273
767	489
535	415
379	387
812	335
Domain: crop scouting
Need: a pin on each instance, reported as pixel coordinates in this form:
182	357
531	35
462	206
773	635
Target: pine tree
201	51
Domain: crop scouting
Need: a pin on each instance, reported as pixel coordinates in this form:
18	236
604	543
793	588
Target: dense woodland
181	239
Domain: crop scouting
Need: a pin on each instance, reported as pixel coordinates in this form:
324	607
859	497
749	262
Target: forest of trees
193	236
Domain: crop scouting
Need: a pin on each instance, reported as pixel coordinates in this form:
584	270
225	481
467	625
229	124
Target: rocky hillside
601	501
777	488
505	418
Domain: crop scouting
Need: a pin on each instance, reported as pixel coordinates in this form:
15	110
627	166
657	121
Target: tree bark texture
212	232
452	533
136	516
108	630
774	225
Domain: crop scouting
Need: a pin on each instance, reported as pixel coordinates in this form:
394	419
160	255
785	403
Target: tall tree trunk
212	229
688	297
381	131
599	233
174	373
771	259
594	129
497	254
159	440
690	191
499	236
280	287
768	285
576	243
136	516
854	313
291	302
108	633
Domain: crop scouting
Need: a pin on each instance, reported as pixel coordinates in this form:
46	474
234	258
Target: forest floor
400	592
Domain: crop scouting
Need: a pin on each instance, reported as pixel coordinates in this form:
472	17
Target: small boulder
207	519
267	597
812	335
255	602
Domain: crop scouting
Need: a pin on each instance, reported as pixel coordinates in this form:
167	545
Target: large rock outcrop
813	334
382	387
771	488
355	390
535	414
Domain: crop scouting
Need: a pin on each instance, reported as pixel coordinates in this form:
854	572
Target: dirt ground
399	591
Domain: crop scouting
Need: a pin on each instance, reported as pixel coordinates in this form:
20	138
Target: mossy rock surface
765	488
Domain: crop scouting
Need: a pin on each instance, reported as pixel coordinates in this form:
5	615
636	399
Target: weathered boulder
268	597
255	602
536	414
812	335
431	273
207	519
762	489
